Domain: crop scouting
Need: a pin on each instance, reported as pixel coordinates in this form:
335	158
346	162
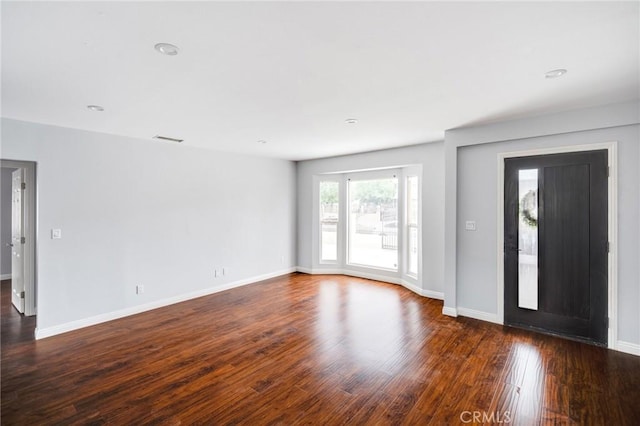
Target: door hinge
608	247
607	321
23	240
23	185
22	295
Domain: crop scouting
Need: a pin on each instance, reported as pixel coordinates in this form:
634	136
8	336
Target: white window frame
399	276
339	236
372	175
413	172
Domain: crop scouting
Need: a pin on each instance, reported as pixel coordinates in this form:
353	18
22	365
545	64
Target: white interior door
17	241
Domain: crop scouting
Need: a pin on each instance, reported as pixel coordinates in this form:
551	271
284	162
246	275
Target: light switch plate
470	225
56	234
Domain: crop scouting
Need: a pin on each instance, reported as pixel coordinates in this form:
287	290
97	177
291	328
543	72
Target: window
528	239
373	223
369	222
329	217
412	199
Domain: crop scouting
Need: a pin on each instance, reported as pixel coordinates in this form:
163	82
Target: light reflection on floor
367	324
529	378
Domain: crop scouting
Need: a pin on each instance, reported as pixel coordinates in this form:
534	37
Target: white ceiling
291	73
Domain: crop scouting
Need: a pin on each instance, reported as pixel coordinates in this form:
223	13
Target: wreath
528	208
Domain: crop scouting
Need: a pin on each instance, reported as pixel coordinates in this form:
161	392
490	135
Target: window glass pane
373	223
412	225
528	239
329	220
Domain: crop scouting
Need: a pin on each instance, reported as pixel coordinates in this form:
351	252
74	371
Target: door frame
612	204
29	224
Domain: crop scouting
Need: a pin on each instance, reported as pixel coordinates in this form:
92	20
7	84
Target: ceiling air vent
168	139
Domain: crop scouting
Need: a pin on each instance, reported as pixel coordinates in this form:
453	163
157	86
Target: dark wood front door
556	244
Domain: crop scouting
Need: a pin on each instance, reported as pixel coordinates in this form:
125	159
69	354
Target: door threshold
555	334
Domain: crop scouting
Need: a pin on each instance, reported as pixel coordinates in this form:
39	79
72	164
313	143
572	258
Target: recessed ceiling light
95	108
351	120
167	49
262	141
555	73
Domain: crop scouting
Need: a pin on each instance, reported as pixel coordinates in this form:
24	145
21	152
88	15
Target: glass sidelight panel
528	239
329	208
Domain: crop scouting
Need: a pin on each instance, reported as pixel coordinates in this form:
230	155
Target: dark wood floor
306	349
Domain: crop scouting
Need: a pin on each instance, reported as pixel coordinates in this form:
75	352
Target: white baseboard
433	294
324	271
480	315
5	277
349	272
422	292
628	347
384	279
449	311
304	270
392	280
412	287
109	316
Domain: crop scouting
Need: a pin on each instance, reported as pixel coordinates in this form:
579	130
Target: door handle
9	244
512	248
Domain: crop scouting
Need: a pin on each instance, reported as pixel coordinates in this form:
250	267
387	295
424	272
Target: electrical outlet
139	289
215	273
224	271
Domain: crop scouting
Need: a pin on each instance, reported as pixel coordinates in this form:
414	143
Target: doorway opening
18	206
557	242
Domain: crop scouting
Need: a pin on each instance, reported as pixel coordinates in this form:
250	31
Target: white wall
146	212
430	156
475	182
5	221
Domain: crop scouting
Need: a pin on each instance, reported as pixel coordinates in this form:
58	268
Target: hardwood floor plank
303	349
556	398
